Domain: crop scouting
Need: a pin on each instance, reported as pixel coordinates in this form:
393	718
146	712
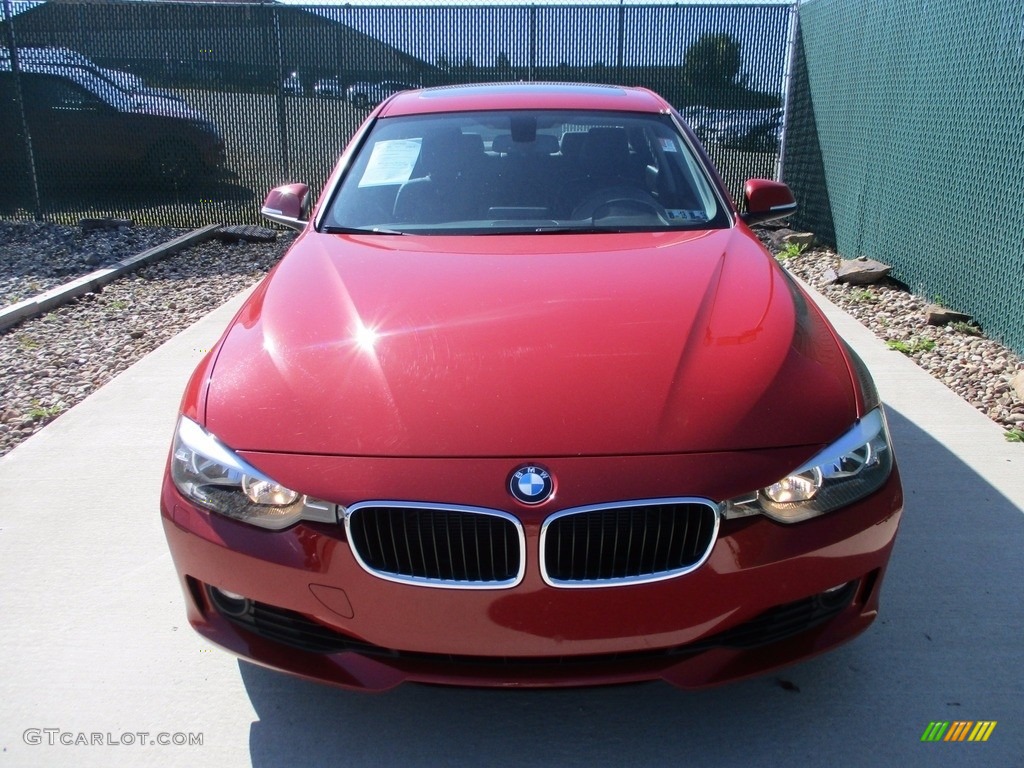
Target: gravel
35	257
52	362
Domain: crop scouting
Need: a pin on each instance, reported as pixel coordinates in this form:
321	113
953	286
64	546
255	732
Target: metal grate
627	543
789	619
437	545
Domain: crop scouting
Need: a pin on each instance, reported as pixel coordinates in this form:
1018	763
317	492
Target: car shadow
946	646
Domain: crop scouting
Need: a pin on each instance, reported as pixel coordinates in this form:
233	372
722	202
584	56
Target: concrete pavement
93	637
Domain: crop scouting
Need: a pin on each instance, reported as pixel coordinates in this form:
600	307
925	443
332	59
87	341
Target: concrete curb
62	294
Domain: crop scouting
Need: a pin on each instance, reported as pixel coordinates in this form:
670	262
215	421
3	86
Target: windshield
103	88
524	171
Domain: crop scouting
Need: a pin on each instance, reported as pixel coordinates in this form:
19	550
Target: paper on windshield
391	162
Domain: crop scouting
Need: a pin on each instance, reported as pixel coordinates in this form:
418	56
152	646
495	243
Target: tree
713	61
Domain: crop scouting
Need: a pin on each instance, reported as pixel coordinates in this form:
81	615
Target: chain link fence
186	113
902	136
913	113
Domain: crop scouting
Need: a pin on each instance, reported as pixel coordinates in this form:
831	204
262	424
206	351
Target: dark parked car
528	404
135	85
754	130
86	129
292	85
329	88
372	94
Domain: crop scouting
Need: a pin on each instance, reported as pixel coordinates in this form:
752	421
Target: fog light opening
838	595
229	603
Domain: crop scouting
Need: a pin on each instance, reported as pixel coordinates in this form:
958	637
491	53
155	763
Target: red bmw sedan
527	404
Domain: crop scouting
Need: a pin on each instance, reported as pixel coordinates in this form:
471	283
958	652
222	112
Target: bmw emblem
531	485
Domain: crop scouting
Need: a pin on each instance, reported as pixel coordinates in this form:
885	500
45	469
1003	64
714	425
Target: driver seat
447	186
604	160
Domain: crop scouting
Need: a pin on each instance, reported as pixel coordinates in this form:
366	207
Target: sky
576	36
20	5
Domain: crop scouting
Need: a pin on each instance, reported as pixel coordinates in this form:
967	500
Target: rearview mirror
766	200
288	206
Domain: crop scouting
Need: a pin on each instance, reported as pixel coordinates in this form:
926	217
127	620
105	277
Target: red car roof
470	98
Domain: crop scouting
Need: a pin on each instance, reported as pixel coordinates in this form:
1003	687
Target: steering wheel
620	201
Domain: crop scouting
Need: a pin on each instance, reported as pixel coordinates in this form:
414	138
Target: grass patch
911	347
969	329
27	343
863	296
791	251
39	412
1015	435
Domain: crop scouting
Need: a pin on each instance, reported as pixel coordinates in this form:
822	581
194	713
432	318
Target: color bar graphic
958	730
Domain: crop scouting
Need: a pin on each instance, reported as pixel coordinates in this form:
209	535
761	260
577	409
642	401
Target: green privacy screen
266	93
918	128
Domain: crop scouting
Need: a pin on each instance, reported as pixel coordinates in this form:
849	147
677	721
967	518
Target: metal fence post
787	84
37	205
282	118
620	59
533	41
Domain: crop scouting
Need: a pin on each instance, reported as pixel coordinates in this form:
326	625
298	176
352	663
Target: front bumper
762	599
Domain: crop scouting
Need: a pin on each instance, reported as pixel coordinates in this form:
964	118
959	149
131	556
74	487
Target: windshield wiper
360	231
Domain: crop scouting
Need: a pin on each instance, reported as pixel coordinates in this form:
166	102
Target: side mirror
288	206
766	200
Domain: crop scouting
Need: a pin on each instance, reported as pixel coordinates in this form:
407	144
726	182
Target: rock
137	334
245	233
799	238
830	276
1017	382
862	271
780	233
93	225
936	314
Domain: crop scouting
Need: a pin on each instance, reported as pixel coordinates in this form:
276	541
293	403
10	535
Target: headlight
854	466
214	477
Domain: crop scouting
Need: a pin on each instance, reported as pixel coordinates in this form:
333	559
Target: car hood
528	346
